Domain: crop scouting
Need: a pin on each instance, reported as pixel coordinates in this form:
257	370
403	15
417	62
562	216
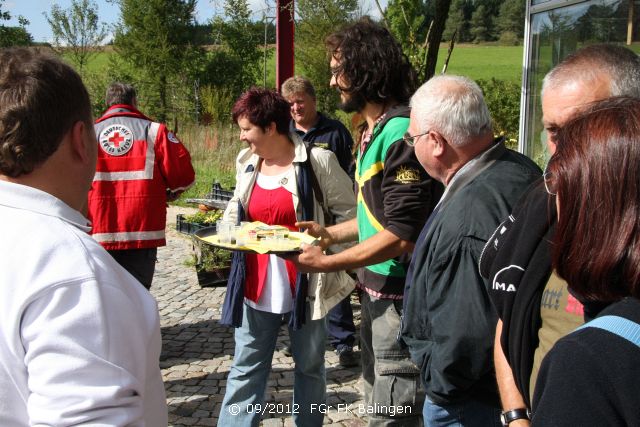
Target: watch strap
511	415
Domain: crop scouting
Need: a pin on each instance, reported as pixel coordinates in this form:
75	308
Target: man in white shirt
79	337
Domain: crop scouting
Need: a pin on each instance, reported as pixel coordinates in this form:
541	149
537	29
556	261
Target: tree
14	36
316	20
458	21
435	36
154	39
234	64
422	53
600	23
511	18
77	30
481	24
409	22
4	16
560	33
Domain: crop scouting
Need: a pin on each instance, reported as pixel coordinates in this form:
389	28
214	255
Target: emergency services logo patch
173	138
405	175
116	140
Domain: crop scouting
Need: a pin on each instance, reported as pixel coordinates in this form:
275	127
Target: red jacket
138	161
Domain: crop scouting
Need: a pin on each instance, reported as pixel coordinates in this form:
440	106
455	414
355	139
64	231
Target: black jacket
590	377
449	322
517	263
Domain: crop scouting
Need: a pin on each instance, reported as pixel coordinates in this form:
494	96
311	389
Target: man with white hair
449	322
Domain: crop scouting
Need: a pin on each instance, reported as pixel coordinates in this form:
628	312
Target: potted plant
212	264
189	224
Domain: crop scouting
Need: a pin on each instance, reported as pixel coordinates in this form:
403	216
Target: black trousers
141	263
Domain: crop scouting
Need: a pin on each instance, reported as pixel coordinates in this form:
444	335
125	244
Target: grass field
483	62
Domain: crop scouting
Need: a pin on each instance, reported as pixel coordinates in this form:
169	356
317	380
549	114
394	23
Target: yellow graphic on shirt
372	219
369	173
373	170
407	175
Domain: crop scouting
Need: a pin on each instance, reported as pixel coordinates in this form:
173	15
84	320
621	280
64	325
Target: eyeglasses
550	182
334	71
411	140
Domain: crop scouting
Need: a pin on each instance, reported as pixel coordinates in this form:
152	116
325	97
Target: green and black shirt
394	193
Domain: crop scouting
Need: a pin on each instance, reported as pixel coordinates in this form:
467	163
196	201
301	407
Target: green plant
211	259
208	258
208	218
503	100
213	153
216	105
154	39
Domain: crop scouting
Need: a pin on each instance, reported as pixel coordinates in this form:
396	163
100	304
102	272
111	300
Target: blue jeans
467	414
340	325
247	380
391	379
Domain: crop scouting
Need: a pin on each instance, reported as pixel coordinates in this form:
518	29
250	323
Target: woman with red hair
591	376
279	182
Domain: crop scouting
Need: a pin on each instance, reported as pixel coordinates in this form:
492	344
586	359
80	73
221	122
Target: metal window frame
554	4
531	10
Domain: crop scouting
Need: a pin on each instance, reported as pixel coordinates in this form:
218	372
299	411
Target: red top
273	207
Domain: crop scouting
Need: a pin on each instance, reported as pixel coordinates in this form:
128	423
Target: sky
109	13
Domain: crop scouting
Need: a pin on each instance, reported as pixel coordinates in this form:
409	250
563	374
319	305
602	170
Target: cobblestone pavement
197	352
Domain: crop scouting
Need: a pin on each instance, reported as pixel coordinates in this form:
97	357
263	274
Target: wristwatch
507	417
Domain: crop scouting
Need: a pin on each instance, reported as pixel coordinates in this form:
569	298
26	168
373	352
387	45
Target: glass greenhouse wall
555	29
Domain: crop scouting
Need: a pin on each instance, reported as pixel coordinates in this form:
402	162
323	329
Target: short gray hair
453	106
586	65
297	84
120	93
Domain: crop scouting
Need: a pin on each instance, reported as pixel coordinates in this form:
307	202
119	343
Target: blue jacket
331	135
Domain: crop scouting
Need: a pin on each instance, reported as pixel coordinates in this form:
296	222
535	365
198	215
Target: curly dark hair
372	63
263	107
41	98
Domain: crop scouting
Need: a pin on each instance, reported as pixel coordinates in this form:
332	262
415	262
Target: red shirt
273	207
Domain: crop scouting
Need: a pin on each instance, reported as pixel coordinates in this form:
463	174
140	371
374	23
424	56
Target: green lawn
97	62
483	62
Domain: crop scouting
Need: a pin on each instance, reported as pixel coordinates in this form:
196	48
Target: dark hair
263	107
120	93
372	62
41	98
596	169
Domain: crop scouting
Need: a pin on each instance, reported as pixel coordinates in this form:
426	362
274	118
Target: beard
354	103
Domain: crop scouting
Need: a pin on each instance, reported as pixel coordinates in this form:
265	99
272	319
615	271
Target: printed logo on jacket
116	140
